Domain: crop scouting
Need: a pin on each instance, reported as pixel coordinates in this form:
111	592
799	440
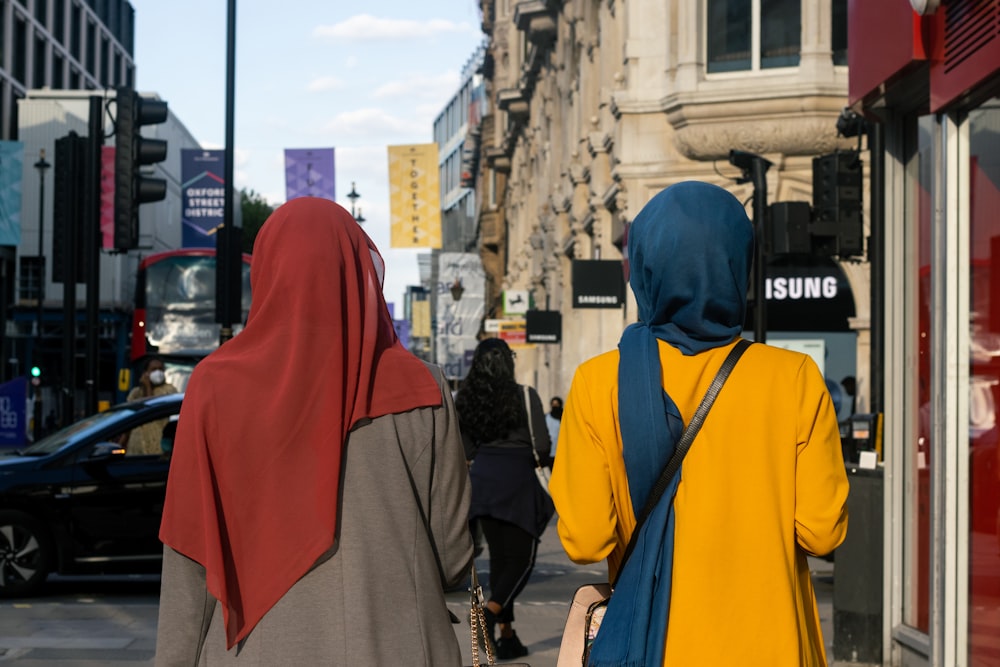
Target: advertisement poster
107	213
461	304
14	412
203	191
414	196
11	160
309	172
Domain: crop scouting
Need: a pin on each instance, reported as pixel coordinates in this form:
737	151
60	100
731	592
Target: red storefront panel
968	32
887	39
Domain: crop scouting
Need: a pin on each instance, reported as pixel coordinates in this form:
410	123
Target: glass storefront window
917	510
984	383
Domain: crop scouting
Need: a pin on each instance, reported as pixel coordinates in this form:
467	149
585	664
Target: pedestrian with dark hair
552	419
507	499
718	574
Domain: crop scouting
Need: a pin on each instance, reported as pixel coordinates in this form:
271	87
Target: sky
312	74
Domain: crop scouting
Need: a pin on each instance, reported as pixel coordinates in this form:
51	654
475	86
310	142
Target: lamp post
41	166
353	195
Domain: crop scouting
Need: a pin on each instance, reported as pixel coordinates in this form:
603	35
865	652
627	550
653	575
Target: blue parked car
79	502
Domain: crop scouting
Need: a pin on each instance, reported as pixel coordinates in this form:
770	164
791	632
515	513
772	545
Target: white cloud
323	84
436	87
366	27
373	122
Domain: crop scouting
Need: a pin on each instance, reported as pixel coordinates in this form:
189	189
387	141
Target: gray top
377	597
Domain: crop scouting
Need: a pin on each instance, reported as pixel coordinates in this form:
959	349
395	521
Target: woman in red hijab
318	494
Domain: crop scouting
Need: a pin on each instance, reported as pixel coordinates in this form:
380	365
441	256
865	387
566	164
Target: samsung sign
800	287
806	296
598	283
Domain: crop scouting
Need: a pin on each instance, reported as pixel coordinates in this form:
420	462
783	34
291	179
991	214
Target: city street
90	622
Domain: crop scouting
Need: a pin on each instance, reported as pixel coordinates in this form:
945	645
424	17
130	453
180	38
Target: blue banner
309	172
203	189
11	175
14	413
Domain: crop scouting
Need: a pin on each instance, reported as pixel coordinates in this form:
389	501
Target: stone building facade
596	105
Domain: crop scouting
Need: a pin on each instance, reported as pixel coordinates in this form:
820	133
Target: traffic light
132	152
68	209
837	228
36	372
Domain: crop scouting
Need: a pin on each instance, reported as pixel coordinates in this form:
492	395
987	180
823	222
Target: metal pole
36	354
224	252
91	247
759	171
876	243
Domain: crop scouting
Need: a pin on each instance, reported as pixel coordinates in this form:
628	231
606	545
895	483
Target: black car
80	502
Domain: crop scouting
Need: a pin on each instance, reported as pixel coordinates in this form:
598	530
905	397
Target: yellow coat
763	485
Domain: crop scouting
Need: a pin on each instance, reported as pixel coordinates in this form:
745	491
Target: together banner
414	196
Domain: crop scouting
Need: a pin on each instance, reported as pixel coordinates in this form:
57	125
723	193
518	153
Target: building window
40	11
20	50
753	34
839	32
59	20
58	82
105	77
984	379
40	69
3	31
91	47
74	31
31	279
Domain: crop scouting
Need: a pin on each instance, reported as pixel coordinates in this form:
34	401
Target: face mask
557	412
157	377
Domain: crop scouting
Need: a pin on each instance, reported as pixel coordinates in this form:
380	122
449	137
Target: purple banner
14	412
309	172
203	189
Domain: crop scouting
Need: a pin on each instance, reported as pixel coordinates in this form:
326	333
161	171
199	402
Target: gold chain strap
477	622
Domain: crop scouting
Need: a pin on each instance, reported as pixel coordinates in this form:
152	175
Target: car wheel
25	554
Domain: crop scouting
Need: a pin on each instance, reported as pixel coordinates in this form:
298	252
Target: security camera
742	159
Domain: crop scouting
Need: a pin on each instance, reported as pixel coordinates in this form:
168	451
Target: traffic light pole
754	169
91	246
227	250
67	162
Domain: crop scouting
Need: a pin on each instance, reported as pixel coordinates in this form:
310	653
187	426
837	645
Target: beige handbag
582	623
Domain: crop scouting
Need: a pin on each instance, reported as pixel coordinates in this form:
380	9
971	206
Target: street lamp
353	195
41	166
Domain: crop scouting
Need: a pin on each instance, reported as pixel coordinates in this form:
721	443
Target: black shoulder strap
683	445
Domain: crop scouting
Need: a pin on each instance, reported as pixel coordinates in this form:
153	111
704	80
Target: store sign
598	283
514	332
516	301
806	297
543	326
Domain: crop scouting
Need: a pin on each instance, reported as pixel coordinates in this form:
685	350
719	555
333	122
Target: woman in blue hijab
762	486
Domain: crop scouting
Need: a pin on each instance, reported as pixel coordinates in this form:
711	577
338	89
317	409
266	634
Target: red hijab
253	490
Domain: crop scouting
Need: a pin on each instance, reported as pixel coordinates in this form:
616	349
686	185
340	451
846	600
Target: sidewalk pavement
540	611
117	626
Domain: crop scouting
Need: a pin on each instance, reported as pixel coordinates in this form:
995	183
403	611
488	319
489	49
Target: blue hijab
690	250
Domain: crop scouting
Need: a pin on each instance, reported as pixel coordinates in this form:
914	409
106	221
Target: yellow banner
414	196
421	319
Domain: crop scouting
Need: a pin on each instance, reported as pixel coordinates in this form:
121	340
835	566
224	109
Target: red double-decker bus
174	310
